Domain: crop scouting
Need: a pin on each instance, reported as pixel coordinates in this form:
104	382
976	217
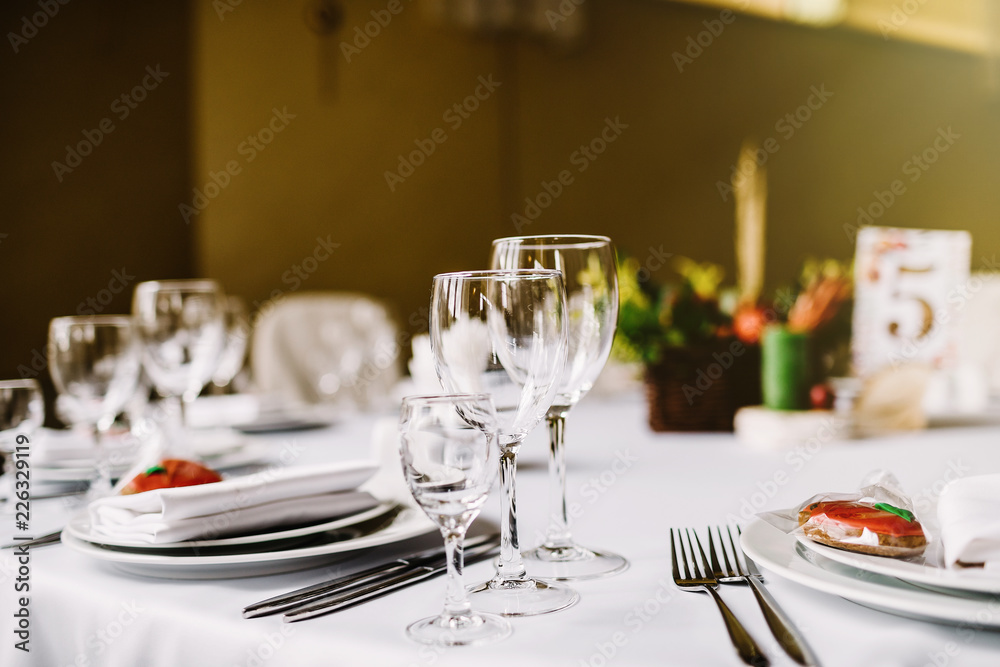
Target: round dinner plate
79	527
410	522
784	556
976	580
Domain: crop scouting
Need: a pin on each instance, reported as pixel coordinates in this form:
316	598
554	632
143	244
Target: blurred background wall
266	148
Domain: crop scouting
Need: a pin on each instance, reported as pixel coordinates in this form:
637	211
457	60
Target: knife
340	600
781	626
370	575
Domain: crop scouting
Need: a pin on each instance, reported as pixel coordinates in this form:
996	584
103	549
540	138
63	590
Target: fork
703	578
782	628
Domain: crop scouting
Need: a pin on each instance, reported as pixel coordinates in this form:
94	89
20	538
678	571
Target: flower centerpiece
697	372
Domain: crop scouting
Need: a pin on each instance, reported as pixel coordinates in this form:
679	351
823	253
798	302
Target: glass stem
101	486
558	535
510	566
456	602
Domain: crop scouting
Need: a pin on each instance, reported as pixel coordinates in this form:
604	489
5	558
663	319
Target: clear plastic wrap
878	519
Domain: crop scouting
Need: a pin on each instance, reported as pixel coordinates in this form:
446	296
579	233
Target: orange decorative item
171	473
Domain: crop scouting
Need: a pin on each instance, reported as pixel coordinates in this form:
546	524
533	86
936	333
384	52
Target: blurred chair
335	348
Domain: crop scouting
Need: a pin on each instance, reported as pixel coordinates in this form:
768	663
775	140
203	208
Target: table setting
330	540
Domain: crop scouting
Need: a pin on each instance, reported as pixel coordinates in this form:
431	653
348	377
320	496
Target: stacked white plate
904	588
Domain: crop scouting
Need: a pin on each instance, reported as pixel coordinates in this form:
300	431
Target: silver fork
782	628
702	578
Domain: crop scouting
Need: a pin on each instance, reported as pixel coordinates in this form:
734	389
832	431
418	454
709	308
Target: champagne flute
94	364
449	451
588	268
180	324
22	410
504	333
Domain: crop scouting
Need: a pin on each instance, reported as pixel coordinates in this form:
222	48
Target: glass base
572	562
521	597
465	630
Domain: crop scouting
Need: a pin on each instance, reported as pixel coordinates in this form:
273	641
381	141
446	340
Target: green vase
785	369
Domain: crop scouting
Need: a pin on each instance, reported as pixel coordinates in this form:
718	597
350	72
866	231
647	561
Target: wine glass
449	451
588	268
22	410
236	325
94	364
180	324
504	333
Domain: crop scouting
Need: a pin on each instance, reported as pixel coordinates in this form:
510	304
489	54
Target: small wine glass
589	273
504	333
180	324
449	451
94	364
22	411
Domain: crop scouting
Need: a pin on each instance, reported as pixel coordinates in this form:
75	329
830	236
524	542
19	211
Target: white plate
784	556
976	580
79	527
411	522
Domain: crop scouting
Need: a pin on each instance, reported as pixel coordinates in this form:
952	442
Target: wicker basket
700	388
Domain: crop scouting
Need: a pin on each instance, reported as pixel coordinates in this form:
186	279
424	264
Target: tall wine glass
94	364
504	333
22	410
180	324
588	268
449	451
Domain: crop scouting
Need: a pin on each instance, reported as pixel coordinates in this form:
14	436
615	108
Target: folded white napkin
208	511
969	514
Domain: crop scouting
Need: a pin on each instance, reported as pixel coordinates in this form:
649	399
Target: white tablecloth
630	486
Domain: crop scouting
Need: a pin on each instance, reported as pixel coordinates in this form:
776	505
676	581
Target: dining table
627	487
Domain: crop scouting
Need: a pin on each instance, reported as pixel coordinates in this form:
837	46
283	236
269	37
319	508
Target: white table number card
909	287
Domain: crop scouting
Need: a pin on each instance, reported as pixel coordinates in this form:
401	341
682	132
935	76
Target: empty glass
236	324
94	364
588	268
504	333
22	410
449	451
180	325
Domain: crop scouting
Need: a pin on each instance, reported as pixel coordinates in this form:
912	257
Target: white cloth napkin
969	514
208	511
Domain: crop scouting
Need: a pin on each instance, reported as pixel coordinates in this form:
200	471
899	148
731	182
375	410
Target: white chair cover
326	347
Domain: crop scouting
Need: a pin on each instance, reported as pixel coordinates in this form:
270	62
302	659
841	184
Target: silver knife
340	600
371	575
782	628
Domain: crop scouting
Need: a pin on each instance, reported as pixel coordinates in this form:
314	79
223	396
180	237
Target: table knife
370	575
791	640
340	600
